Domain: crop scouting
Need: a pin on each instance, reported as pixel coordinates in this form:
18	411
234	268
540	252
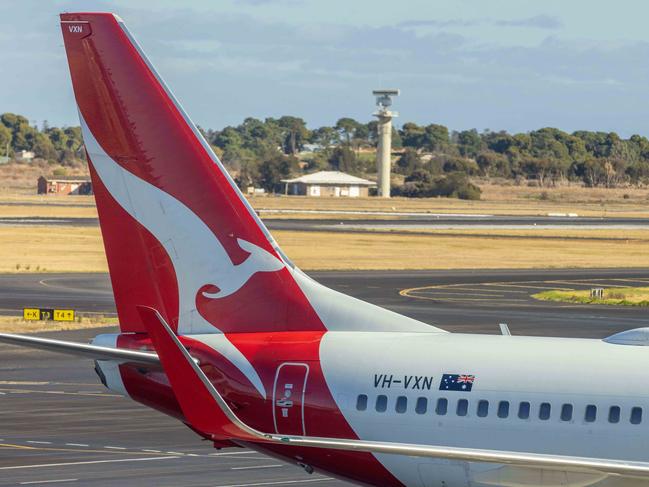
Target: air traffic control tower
384	148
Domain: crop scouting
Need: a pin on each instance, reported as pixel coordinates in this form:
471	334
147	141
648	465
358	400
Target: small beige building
328	183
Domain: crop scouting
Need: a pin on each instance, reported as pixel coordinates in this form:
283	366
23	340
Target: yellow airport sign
31	314
48	314
63	315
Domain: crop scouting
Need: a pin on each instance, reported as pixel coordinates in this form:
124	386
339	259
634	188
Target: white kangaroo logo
198	257
236	276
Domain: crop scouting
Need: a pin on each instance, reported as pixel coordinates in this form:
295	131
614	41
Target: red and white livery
220	330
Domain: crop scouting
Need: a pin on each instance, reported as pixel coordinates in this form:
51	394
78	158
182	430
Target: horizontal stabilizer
81	349
203	407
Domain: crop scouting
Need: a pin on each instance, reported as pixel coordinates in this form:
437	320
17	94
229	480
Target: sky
515	65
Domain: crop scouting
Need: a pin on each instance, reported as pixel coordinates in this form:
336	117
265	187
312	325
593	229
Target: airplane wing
206	409
81	349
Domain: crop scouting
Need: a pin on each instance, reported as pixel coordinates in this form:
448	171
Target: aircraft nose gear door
288	398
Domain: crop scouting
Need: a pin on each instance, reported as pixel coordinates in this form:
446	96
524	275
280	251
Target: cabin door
288	398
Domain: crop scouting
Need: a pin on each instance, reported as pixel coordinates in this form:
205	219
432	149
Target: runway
60	426
385	223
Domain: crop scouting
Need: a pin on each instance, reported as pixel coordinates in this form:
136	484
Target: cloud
538	21
225	66
258	3
545	22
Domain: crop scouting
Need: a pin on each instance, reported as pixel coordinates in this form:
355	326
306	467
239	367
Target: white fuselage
585	383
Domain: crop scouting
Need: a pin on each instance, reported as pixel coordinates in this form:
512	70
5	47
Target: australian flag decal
456	382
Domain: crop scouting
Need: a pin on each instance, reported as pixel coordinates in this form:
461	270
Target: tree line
53	144
430	159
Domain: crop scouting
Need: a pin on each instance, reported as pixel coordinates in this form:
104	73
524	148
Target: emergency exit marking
48	314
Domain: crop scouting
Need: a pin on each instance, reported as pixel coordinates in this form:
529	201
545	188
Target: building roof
331	177
67	179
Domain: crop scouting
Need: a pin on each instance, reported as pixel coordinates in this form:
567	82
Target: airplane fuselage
576	397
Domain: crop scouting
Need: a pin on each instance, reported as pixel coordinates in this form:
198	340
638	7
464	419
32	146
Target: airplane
219	329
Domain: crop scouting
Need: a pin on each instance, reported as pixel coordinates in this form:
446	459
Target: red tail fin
179	236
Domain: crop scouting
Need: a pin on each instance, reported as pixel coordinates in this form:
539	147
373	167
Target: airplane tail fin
169	212
179	235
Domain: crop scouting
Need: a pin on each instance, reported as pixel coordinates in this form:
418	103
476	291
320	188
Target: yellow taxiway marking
437	292
640	279
585	283
434	290
527	286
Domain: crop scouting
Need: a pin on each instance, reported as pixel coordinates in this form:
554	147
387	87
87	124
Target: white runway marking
82	444
90	462
279	482
48	481
40	442
246	452
115	447
257	466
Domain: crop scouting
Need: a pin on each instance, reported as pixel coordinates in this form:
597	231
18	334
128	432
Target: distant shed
71	185
328	183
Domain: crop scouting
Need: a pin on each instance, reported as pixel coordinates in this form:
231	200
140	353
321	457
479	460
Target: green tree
469	143
43	147
408	162
412	135
325	137
435	138
494	164
5	140
343	159
273	170
347	128
295	133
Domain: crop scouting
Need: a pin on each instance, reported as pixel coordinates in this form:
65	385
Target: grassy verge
629	296
12	324
80	249
498	199
51	249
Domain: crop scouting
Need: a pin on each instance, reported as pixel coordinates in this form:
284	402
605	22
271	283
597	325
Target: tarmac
392	224
58	425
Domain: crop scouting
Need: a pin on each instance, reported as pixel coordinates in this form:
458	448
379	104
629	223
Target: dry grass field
18	185
11	324
51	249
80	249
498	199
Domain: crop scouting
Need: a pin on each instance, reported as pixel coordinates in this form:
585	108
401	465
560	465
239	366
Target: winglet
202	405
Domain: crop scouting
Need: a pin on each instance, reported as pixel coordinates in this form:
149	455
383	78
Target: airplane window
503	409
421	406
361	402
566	412
636	415
544	411
442	406
381	403
483	408
462	407
591	413
401	405
524	410
614	414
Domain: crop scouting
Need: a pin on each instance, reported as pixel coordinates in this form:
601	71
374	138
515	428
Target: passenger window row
502	409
